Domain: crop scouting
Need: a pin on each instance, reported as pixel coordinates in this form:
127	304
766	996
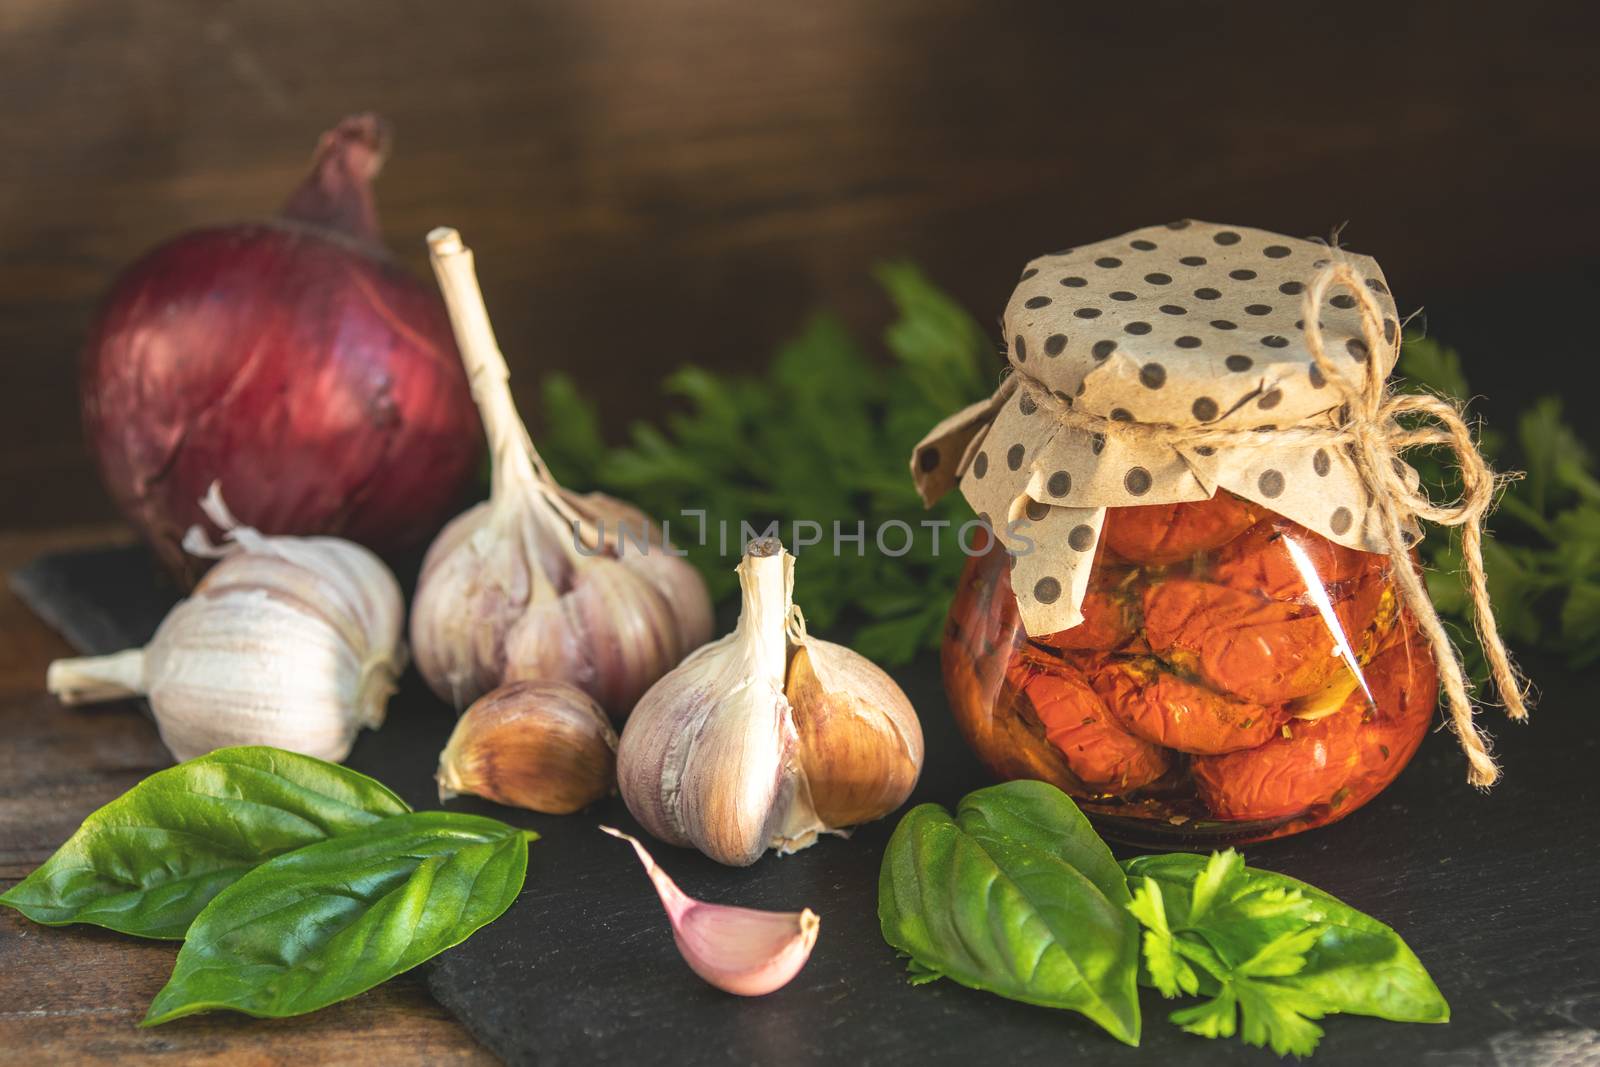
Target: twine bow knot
1373	428
1377	435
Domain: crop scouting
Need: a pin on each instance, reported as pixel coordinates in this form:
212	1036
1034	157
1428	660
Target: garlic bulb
738	950
287	641
768	736
538	583
544	746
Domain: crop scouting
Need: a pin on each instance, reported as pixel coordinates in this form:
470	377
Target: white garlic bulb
538	584
768	736
288	641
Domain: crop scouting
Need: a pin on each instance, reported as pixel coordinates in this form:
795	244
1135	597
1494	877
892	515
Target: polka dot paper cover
1189	324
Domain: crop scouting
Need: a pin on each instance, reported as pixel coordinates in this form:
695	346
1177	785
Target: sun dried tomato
1257	650
1259	561
1110	612
1159	706
1009	739
1169	533
1054	727
1340	761
1102	754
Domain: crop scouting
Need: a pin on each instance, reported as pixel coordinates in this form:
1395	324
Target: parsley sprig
1270	954
1270	929
823	435
1543	560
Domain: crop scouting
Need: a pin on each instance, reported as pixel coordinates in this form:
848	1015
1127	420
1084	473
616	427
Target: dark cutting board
1497	894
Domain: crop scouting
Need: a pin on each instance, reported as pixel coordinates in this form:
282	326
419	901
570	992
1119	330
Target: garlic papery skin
767	737
287	641
543	746
860	739
739	950
539	584
709	756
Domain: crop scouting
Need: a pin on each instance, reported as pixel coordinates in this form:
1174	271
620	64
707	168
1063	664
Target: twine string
1370	427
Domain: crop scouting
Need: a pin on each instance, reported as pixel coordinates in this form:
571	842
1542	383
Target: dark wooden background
651	182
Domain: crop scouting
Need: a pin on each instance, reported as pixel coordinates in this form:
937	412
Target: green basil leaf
1044	817
147	862
1357	965
334	919
990	899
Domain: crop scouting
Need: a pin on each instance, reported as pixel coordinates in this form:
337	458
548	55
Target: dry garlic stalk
523	586
287	641
544	746
739	950
767	737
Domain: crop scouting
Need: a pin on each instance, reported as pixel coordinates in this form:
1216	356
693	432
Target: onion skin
293	361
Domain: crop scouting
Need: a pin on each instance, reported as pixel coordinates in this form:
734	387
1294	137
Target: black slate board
1498	894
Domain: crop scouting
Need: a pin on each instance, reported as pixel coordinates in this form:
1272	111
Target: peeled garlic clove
286	641
709	756
544	746
739	950
539	583
860	740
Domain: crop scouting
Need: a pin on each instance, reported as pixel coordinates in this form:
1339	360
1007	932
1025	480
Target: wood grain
75	994
647	184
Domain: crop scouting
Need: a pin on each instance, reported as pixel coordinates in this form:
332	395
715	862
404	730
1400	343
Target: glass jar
1236	677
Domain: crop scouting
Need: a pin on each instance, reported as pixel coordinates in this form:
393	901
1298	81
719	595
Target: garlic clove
860	740
543	746
474	587
613	635
662	565
745	951
708	757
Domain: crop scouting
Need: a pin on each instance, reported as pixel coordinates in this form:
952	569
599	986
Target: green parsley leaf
1279	1016
1168	971
820	437
1223	869
1216	1017
1271	954
1427	364
1543	561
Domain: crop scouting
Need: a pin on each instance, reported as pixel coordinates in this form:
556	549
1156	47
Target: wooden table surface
76	994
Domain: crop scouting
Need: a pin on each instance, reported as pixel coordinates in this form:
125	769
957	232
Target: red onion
293	361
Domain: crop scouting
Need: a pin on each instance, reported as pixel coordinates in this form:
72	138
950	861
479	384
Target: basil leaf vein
333	919
1015	896
149	861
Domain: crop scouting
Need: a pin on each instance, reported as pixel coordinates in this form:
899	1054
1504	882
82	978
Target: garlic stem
515	461
518	475
766	587
744	951
95	679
